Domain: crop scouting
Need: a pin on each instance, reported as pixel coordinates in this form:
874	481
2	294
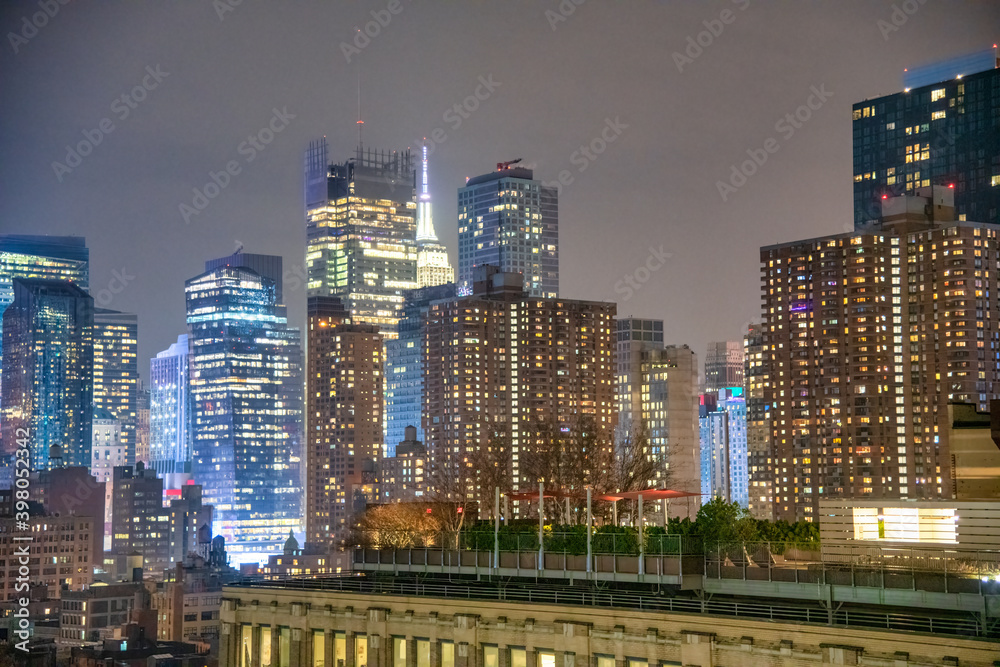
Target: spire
425	221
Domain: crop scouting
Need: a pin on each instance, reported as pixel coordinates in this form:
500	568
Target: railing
954	624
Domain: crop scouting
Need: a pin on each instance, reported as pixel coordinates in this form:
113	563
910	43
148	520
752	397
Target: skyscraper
107	453
404	367
47	257
759	461
509	220
116	372
657	393
723	428
724	365
433	267
868	336
344	408
170	428
48	363
245	384
500	359
139	521
941	130
361	231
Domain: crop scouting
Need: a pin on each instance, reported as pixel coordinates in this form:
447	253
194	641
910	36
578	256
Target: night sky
675	117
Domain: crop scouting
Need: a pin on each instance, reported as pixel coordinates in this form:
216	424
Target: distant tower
433	267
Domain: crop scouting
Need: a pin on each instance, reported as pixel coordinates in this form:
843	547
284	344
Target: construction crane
506	165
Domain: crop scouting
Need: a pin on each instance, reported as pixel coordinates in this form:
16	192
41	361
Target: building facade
107	452
404	367
170	428
723	365
361	231
116	372
723	430
344	407
509	220
941	130
139	520
246	398
868	337
759	461
501	360
403	477
60	553
48	357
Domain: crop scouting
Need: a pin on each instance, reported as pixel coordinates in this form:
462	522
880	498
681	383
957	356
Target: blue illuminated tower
246	395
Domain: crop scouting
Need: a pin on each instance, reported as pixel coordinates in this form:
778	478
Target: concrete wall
558	636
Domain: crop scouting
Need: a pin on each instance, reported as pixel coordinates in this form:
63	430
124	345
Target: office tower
869	337
724	365
941	130
723	431
139	521
759	461
344	408
404	366
170	428
502	360
403	477
246	405
44	257
116	371
107	453
509	220
433	267
361	231
48	394
190	521
142	425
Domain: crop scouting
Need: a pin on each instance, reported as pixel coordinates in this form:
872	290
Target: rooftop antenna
360	122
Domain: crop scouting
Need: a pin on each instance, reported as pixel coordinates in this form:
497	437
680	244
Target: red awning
648	494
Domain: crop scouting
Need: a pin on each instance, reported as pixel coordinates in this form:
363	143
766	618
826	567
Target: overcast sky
670	118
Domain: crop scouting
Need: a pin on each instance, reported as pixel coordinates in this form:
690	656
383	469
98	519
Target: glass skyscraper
246	395
404	379
170	410
361	230
48	370
509	220
723	429
941	130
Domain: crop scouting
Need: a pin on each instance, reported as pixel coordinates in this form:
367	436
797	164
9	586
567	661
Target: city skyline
146	249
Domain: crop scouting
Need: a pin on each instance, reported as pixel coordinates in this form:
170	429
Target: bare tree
632	466
491	466
450	489
397	526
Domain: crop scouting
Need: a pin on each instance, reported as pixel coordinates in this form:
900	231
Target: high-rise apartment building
107	453
868	336
404	367
246	406
509	220
361	231
344	408
500	359
116	371
759	461
723	365
723	430
657	395
170	427
941	130
139	521
433	267
48	362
